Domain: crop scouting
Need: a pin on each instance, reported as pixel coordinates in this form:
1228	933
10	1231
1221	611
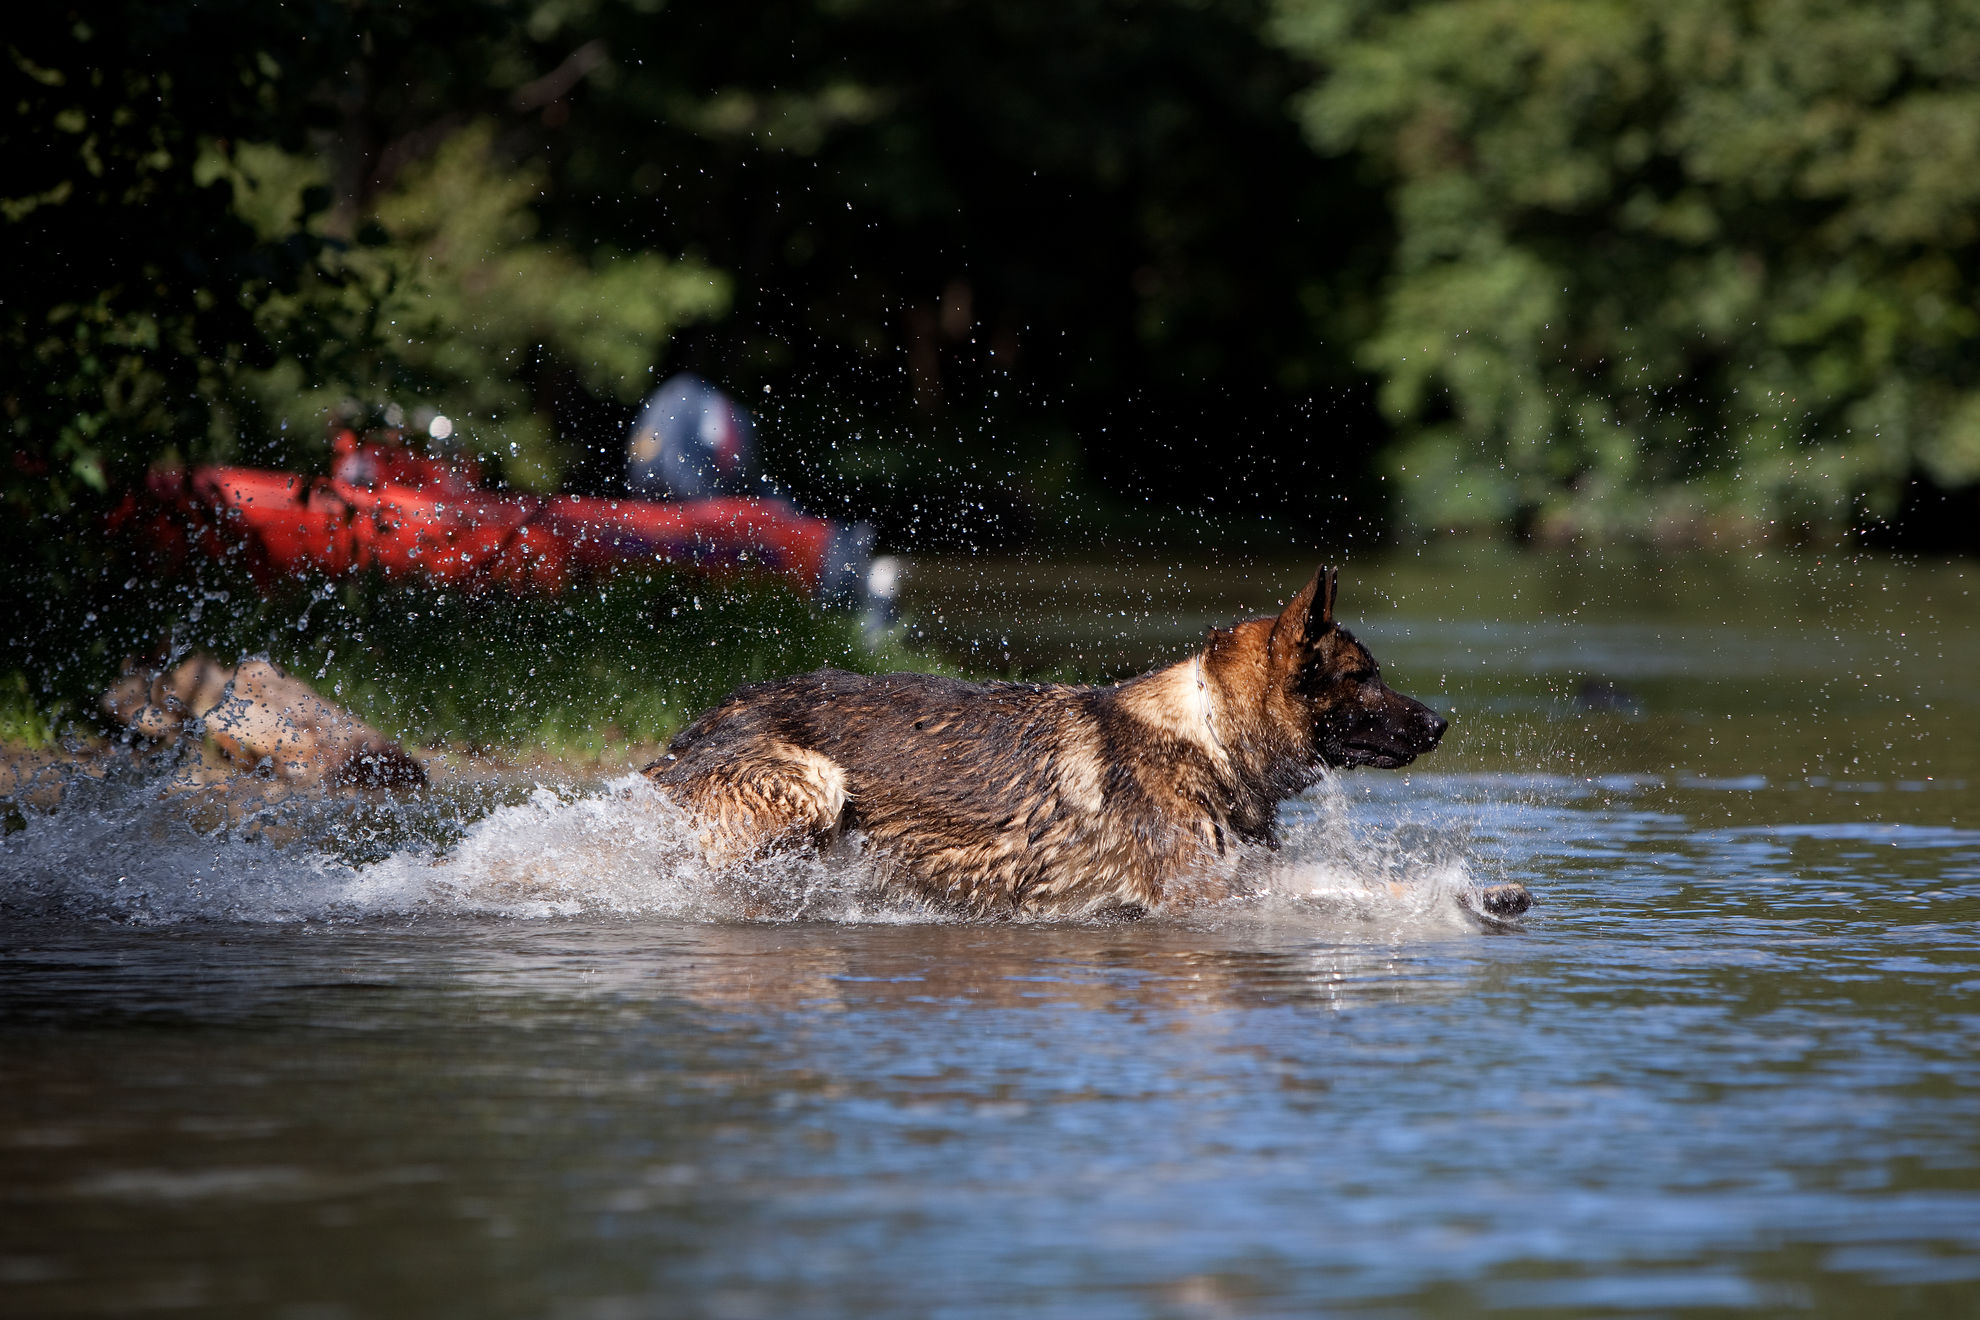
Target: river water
510	1055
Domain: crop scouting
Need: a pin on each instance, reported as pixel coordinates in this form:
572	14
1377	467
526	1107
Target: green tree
1674	268
455	303
210	229
216	208
132	283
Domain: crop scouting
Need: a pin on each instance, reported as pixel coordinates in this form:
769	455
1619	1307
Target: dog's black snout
1435	724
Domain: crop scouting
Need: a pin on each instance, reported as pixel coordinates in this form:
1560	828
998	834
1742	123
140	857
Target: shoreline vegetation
490	678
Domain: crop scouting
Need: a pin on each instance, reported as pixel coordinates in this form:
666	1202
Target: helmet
691	441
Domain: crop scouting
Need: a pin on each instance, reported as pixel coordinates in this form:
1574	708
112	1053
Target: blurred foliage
455	301
132	284
1613	269
987	254
1672	269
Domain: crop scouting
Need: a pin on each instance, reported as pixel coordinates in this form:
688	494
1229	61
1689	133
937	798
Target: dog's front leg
753	804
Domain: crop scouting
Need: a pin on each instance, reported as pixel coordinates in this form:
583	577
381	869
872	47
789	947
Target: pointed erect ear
1308	616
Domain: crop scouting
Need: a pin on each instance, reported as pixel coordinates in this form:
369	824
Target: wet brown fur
1028	797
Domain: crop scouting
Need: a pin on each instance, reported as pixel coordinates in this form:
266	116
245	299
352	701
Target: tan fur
782	795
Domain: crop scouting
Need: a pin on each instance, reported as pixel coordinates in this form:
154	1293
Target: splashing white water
132	853
1332	862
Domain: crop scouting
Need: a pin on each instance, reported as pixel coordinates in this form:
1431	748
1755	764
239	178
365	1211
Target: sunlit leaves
1670	269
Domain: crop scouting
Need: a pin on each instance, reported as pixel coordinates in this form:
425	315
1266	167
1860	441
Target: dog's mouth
1379	755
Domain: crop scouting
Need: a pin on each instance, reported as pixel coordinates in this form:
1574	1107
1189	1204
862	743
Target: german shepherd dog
1008	798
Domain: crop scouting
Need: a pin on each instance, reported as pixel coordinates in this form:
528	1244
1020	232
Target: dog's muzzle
1399	738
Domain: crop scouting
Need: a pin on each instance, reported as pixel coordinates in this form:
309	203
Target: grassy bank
619	663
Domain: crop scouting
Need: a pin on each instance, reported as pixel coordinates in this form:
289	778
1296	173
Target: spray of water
1338	862
140	851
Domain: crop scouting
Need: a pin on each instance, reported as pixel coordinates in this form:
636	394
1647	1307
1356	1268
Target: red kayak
387	510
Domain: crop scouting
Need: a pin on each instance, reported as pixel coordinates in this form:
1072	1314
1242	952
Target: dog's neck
1179	701
1189	702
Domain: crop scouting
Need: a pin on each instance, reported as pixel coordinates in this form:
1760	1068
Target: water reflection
57	975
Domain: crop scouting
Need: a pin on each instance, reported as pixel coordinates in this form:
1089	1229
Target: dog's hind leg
749	804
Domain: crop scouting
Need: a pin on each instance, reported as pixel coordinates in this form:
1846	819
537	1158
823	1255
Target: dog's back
993	795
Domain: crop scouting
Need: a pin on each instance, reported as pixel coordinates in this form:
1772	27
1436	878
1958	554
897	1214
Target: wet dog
1044	798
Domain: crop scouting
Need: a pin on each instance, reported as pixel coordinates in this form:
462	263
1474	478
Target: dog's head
1325	688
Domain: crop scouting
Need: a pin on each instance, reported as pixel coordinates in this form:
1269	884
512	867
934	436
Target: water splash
140	852
1338	861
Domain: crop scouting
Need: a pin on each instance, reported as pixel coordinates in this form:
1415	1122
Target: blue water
1730	1062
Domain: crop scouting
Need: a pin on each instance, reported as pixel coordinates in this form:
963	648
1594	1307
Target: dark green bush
1672	268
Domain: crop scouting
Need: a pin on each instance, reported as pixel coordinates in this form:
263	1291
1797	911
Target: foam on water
136	852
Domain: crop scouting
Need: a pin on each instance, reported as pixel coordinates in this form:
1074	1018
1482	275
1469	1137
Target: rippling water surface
512	1054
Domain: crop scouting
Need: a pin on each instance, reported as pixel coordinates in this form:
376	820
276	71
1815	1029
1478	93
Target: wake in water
129	851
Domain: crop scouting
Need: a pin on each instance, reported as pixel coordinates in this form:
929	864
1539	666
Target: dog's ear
1308	616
